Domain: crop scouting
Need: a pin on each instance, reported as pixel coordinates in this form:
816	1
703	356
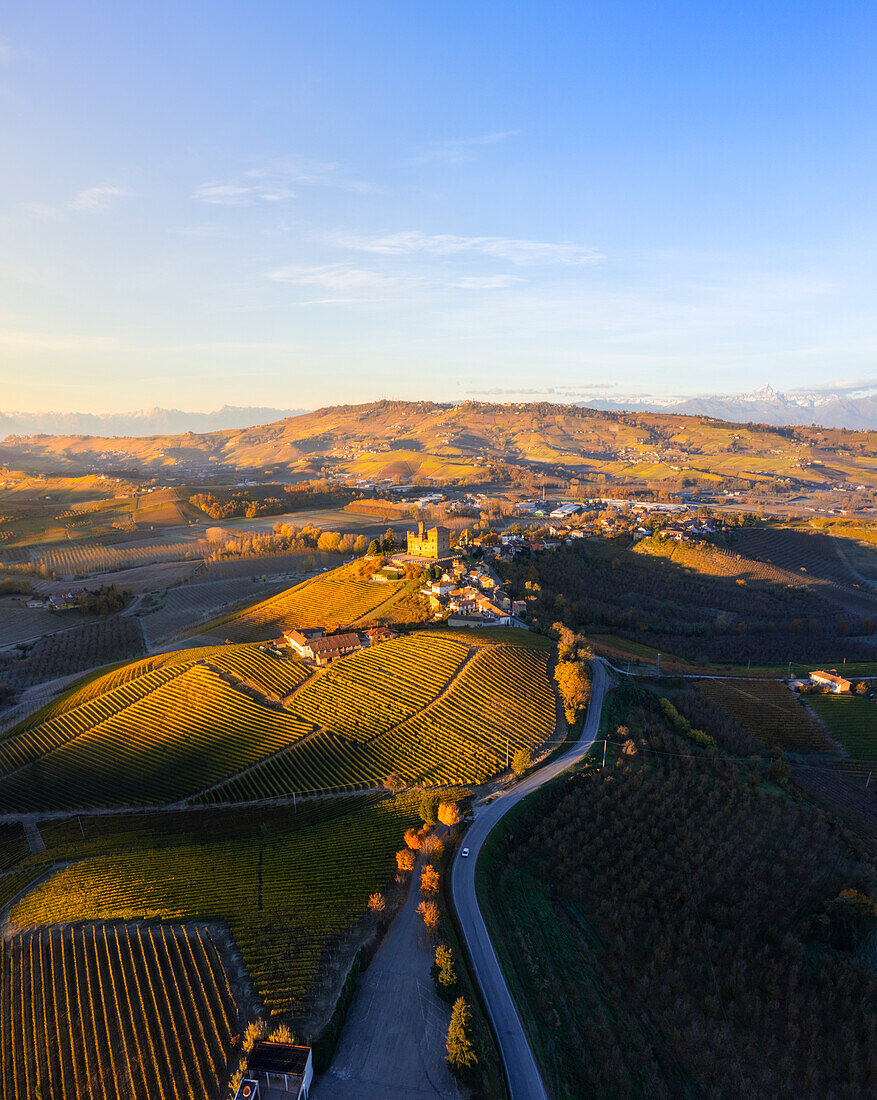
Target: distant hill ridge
469	440
142	422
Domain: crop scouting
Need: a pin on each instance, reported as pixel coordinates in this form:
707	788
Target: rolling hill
450	442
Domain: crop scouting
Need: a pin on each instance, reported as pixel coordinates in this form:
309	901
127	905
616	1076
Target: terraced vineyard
770	711
287	885
852	720
333	600
501	701
114	1012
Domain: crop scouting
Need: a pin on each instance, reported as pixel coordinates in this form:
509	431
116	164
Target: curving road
522	1073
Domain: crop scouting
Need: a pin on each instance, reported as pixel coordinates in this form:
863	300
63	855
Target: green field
852	720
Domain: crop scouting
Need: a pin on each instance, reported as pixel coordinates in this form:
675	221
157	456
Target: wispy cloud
333	277
587	389
88	200
520	252
97	198
278	181
839	387
7	51
458	150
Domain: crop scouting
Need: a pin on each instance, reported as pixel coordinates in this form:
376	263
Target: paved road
392	1046
525	1083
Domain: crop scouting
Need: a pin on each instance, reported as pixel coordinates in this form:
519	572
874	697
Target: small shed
277	1071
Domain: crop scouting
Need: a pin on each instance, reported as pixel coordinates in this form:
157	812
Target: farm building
277	1071
300	640
434	543
316	645
326	650
831	680
380	634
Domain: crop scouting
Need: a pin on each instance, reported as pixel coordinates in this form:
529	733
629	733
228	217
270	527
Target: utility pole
605	743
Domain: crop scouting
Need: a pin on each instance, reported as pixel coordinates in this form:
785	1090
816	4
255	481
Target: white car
464	852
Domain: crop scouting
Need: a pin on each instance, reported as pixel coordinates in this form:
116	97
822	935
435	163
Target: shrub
405	859
521	761
429	911
429	804
429	881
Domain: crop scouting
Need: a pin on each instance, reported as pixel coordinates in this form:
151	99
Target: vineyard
82	560
332	600
114	1012
272	675
769	711
208	724
852	720
71	650
287	887
382	686
185	607
13	845
157	739
500	702
807	554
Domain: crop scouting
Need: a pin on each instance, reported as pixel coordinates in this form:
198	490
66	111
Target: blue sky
291	204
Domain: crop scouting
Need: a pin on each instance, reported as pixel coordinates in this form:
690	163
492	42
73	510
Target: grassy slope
852	720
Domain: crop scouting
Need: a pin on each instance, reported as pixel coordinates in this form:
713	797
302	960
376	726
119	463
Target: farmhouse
316	645
380	634
300	641
831	680
277	1071
434	543
326	650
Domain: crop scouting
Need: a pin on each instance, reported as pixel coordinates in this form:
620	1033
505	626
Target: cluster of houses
323	649
66	602
472	596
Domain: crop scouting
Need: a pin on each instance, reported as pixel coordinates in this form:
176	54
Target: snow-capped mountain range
847	407
143	422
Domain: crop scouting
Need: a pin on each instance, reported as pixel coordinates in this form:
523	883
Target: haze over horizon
291	207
